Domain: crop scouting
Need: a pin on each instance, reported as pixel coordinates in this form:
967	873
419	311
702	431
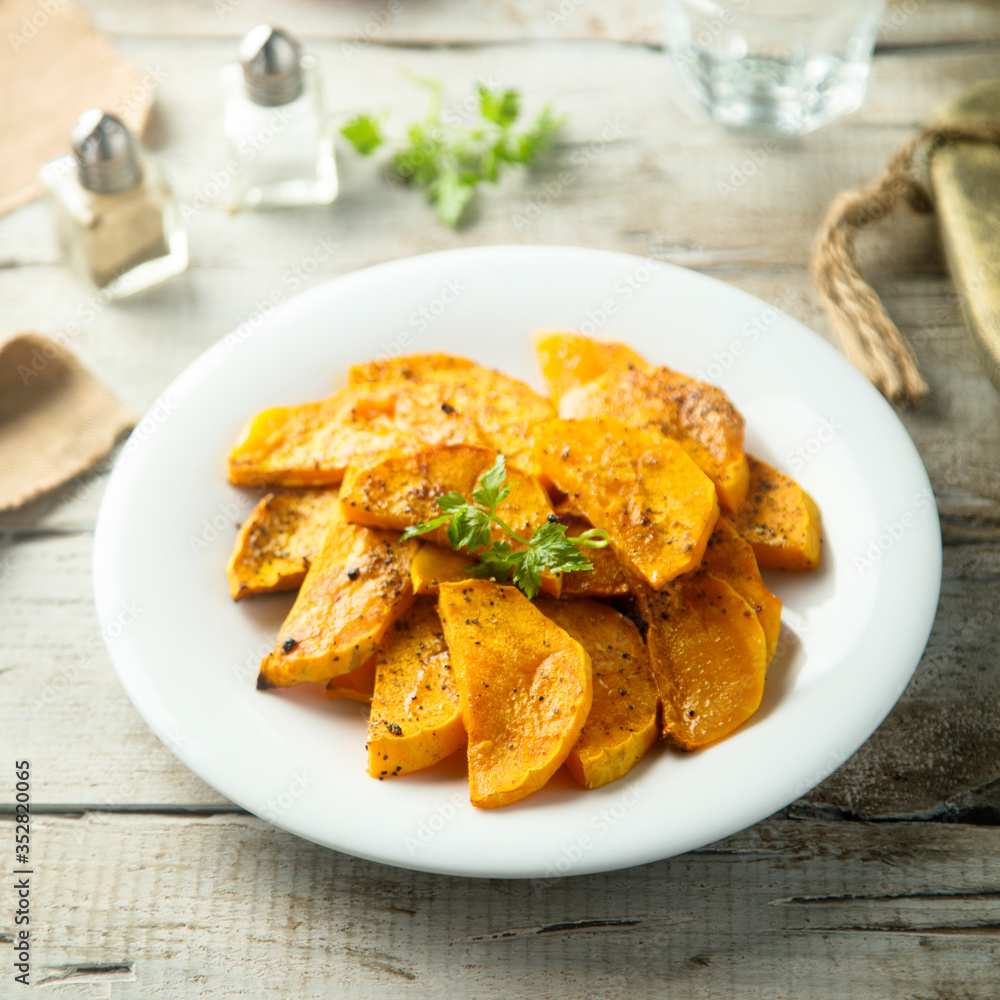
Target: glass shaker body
120	243
282	154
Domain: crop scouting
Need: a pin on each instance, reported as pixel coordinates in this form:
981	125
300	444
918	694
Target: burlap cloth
55	65
56	418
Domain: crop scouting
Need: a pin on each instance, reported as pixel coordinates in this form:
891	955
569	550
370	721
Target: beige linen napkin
56	418
55	65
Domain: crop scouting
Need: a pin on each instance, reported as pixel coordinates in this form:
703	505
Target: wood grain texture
226	906
631	169
442	22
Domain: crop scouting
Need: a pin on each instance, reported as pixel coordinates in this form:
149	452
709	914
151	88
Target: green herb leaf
470	528
363	133
449	159
497	561
558	553
421	529
491	488
550	551
452	501
528	576
538	137
501	107
451	195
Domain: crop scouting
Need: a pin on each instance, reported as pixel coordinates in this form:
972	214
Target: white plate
188	656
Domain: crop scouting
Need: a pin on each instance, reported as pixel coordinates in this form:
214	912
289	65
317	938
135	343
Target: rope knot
866	332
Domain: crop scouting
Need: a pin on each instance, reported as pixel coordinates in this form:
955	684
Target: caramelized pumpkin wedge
729	557
656	505
389	406
408	367
622	724
432	412
281	536
605	579
468	403
416	717
695	413
780	520
354	590
403	490
525	687
506	411
569	359
358	685
434	565
708	654
311	444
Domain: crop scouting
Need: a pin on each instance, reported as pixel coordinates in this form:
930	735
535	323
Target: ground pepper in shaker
280	140
116	217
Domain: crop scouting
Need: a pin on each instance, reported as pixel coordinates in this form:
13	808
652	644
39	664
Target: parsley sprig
448	159
469	526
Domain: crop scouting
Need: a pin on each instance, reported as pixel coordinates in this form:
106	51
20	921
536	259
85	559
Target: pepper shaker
280	140
116	218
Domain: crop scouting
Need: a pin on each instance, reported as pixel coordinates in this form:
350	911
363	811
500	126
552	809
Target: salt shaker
116	217
280	140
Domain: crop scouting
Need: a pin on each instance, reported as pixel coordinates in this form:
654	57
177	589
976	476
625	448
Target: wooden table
884	881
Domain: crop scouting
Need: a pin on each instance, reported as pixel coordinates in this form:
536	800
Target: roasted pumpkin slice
525	686
416	716
729	557
780	520
695	413
569	359
505	410
708	654
403	490
452	400
622	724
605	579
408	367
358	685
434	565
281	536
311	444
354	590
430	411
656	505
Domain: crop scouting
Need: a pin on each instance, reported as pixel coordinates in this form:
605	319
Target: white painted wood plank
451	22
939	749
227	906
62	705
631	170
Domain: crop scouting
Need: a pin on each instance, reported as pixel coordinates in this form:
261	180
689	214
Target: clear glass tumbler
782	67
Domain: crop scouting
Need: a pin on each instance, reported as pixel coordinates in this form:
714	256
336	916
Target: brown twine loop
867	335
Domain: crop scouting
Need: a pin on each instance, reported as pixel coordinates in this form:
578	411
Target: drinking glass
774	66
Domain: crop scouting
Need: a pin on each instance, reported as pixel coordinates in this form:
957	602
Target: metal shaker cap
272	69
106	154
